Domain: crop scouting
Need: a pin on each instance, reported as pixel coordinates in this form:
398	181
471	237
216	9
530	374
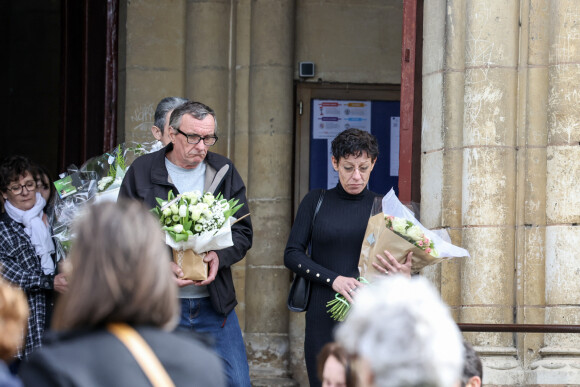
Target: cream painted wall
355	41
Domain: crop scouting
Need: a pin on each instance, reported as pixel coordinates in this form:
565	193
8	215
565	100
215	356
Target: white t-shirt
187	180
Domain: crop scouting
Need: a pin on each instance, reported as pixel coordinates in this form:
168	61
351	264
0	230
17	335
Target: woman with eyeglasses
27	252
335	235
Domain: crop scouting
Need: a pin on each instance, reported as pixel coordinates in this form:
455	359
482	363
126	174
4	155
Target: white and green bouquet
195	223
111	166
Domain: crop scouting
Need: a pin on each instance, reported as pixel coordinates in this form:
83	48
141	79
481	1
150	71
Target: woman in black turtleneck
337	236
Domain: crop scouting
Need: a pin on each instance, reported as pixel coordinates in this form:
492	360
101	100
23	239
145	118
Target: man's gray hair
165	105
196	109
405	332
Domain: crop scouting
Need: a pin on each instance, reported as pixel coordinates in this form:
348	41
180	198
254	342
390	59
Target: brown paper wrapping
379	238
192	264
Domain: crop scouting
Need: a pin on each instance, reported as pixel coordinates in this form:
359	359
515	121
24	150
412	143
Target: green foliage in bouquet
193	213
339	307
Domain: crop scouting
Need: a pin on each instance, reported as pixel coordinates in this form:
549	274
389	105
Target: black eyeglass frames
17	189
196	138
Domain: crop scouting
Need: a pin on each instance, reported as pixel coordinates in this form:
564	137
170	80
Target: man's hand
179	276
214	261
60	283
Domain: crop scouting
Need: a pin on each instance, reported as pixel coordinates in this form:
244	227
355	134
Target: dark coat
148	179
97	358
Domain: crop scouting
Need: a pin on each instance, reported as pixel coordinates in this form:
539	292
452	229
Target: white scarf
35	228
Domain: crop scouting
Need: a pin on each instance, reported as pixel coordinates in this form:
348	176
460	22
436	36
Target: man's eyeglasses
196	138
17	189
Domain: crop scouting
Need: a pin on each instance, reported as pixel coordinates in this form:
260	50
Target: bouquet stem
339	306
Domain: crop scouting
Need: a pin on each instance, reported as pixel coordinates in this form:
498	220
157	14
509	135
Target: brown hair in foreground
119	271
13	316
350	363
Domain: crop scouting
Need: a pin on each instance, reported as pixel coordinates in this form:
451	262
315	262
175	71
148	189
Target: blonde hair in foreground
120	271
13	316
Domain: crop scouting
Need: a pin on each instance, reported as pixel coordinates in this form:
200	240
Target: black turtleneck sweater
337	237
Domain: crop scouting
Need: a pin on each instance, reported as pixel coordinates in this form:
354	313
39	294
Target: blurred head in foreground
405	333
119	271
334	366
13	316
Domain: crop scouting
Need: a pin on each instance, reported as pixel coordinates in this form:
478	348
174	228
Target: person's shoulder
148	158
177	337
179	344
314	195
216	160
4	219
6	378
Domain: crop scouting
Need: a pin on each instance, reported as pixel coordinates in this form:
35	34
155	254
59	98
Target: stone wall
500	149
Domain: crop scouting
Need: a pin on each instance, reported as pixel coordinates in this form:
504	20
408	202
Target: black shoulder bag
300	289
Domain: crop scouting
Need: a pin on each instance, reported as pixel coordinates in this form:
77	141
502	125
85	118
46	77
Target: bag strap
316	212
143	353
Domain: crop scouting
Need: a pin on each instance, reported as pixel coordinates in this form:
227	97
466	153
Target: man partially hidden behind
160	128
186	165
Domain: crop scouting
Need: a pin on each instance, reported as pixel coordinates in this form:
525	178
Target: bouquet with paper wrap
195	223
395	229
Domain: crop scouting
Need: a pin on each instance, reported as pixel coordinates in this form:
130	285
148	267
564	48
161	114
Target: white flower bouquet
396	230
195	223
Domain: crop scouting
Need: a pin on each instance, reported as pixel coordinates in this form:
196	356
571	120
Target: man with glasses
185	165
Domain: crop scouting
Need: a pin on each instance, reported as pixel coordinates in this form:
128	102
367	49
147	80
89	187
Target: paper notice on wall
395	128
331	174
330	117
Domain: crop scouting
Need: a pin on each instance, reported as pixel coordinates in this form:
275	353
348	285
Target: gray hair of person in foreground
405	333
119	271
165	105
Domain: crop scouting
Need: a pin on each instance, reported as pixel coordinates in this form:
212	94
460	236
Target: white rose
399	225
178	228
208	198
195	213
415	233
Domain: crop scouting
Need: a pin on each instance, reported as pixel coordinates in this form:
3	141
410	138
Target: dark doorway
58	80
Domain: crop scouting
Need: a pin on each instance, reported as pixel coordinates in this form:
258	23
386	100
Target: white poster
332	175
394	161
330	117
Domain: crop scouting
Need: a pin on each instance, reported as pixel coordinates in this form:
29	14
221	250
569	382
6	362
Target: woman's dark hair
472	366
41	173
12	168
353	142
